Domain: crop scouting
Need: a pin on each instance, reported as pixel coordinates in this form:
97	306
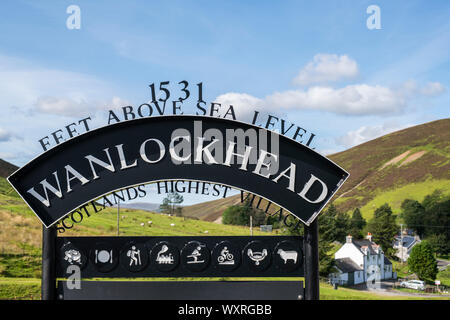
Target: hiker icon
135	256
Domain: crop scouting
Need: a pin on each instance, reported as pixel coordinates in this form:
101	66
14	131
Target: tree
383	228
357	224
430	200
171	204
437	217
326	224
326	260
430	219
341	226
422	261
334	225
240	215
439	243
413	213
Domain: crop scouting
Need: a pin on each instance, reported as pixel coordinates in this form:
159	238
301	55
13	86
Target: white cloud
51	91
73	108
432	89
243	104
327	68
411	89
61	106
366	133
358	99
361	99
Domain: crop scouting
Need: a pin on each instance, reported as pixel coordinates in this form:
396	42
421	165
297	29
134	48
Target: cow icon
288	255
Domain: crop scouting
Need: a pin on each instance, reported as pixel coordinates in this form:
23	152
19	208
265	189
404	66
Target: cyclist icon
225	257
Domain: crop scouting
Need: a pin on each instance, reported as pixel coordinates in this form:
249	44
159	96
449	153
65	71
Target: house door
351	278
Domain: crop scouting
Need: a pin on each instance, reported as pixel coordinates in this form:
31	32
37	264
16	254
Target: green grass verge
328	293
20	289
444	277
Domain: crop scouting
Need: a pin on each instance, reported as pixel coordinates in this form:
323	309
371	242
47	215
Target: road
442	264
387	289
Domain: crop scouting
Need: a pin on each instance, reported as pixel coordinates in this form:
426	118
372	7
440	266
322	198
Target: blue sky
313	62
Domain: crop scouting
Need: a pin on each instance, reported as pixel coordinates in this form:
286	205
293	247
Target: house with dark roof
403	245
359	259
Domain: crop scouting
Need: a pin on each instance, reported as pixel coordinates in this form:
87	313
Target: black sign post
312	261
48	290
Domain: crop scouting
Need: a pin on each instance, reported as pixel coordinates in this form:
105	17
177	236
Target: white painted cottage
353	261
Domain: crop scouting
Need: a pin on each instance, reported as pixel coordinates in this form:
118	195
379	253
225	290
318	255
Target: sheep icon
288	255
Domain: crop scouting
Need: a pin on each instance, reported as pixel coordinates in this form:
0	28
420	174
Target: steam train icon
257	256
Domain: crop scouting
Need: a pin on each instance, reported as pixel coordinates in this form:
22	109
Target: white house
356	260
404	244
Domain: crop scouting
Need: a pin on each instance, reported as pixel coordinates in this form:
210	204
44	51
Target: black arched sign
145	150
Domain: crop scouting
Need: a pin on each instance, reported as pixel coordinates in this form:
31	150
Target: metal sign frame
133	132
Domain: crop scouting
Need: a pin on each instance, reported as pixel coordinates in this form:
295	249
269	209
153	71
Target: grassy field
105	223
328	293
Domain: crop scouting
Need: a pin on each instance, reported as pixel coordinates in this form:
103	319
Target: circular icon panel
226	257
134	257
165	256
257	255
104	257
287	256
195	256
71	255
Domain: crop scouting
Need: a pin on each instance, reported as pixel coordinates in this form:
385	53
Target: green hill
410	163
211	210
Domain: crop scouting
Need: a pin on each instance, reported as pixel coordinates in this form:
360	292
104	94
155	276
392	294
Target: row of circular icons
195	256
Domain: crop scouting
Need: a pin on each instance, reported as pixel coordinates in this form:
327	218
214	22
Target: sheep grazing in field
288	255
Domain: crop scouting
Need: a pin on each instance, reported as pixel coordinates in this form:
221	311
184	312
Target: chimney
348	239
369	236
